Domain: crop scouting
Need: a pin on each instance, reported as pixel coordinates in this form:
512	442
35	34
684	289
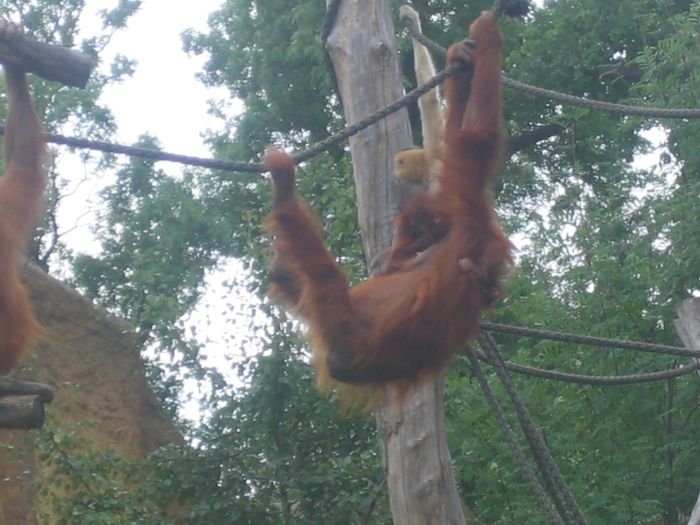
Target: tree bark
422	489
362	49
688	328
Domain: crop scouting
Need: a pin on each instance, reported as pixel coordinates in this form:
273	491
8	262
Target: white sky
162	98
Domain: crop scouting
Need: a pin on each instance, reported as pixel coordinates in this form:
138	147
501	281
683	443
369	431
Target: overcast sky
163	98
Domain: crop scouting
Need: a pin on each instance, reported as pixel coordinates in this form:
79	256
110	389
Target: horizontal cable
582	379
590	340
569	100
147	153
312	151
413	95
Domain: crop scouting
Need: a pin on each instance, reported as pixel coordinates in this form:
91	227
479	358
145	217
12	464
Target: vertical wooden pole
362	48
688	328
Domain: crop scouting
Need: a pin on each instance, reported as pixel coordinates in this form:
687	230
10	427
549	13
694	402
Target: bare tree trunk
688	328
421	485
363	52
362	48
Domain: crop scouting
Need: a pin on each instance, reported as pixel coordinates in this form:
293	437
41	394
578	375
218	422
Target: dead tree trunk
688	328
362	49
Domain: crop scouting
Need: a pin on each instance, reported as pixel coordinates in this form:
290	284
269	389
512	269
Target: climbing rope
412	96
543	497
554	481
563	98
307	154
590	340
630	379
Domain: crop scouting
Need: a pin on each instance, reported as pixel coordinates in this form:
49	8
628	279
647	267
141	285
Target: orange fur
21	193
447	261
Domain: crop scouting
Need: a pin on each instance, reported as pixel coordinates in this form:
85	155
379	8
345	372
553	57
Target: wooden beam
48	61
21	412
688	323
688	327
10	386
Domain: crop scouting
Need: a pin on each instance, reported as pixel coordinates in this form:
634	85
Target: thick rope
547	504
548	468
150	154
590	340
599	105
412	96
395	106
630	379
157	155
563	98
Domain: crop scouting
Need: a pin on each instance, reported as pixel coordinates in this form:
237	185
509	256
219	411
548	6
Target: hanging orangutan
447	260
21	194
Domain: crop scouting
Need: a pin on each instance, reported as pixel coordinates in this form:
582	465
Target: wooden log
21	412
51	62
10	386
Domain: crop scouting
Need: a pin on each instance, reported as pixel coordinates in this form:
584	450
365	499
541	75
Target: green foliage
284	454
671	78
157	243
96	489
276	452
274	65
600	259
242	201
